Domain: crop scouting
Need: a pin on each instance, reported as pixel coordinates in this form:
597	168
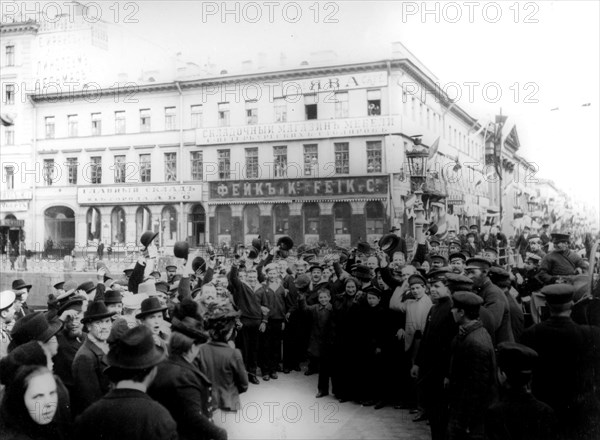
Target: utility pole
500	120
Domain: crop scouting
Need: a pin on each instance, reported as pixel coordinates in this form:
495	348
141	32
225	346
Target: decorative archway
197	219
59	225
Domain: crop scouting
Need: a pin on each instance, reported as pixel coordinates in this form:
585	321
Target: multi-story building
314	152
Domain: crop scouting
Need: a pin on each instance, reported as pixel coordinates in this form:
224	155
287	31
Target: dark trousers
293	341
345	371
325	368
270	347
247	342
433	397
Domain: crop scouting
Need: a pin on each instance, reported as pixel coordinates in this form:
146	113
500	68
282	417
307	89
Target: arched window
342	214
94	224
197	218
59	222
281	219
118	225
310	213
169	223
143	221
375	217
223	218
251	219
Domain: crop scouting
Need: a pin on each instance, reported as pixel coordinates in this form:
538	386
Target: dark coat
495	301
557	264
225	368
63	361
126	414
567	371
472	377
244	296
519	416
89	381
522	244
321	330
181	388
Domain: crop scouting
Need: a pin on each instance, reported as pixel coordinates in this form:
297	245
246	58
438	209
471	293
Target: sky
543	57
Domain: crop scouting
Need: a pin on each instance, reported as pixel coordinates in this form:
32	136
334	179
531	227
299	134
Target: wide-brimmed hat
33	327
149	288
149	306
134	301
363	247
147	238
285	243
181	249
75	303
362	272
560	237
257	243
198	263
162	286
389	242
135	350
87	286
59	285
190	327
95	312
20	284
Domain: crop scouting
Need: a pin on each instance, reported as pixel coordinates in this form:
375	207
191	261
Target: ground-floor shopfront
337	211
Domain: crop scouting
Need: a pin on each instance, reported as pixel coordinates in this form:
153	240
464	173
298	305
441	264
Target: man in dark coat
494	299
90	383
472	374
567	375
70	339
433	356
501	278
518	414
545	237
127	411
561	262
522	242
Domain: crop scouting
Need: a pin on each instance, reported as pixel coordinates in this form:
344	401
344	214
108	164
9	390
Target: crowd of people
472	345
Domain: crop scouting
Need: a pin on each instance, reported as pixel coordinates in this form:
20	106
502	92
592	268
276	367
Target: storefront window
118	225
251	219
341	218
169	223
143	221
375	217
281	215
94	224
311	212
223	217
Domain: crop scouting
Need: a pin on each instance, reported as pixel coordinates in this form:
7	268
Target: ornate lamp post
417	164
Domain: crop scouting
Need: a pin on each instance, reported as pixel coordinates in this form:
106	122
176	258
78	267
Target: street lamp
417	164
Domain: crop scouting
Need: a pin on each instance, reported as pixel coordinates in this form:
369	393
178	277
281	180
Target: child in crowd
320	346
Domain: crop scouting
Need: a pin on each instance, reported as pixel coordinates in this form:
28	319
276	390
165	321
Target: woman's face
350	288
41	398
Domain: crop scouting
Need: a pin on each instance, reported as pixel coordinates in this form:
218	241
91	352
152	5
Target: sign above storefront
329	83
12	223
369	126
299	188
138	194
14	206
16	194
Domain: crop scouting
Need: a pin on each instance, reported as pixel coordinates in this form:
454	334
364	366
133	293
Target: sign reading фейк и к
139	194
299	188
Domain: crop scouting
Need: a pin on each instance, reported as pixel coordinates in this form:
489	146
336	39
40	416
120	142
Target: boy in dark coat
320	343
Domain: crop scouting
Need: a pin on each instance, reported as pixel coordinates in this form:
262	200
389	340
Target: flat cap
435	240
302	282
438	257
558	237
416	279
558	293
466	299
490	249
499	273
533	237
478	263
514	357
456	255
438	274
533	257
455	241
372	290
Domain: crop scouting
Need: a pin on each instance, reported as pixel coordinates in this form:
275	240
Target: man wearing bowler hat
21	289
127	411
147	261
494	299
7	316
401	246
561	262
89	381
567	376
70	339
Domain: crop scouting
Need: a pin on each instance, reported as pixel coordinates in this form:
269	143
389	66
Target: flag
434	148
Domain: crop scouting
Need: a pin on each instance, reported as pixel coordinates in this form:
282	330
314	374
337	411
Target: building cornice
19	28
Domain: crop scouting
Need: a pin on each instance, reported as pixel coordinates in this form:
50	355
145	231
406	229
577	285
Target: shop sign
298	188
368	126
14	206
138	194
12	223
17	194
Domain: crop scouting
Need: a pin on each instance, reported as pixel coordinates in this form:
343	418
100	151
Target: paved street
287	409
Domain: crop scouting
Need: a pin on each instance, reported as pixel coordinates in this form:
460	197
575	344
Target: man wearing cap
21	289
493	298
545	237
518	414
501	278
433	357
7	316
401	246
473	246
528	276
472	374
146	262
36	327
491	253
127	411
457	262
535	246
171	270
567	376
454	246
561	262
151	315
70	339
89	362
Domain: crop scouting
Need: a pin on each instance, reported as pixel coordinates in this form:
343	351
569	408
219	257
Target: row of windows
342	218
196	113
123	170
